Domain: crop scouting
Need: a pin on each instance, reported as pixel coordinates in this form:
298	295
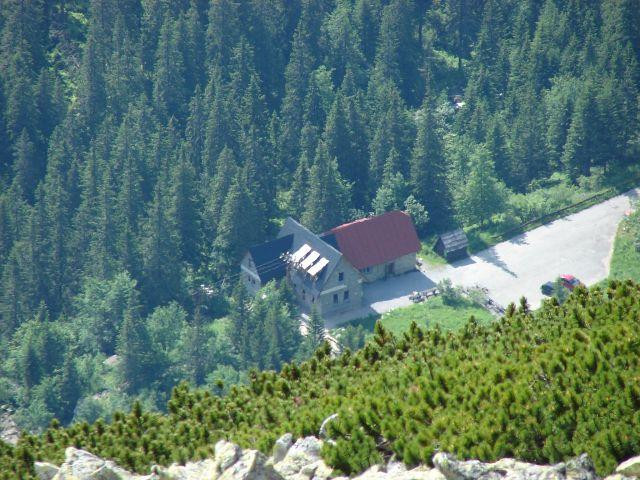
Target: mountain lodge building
328	270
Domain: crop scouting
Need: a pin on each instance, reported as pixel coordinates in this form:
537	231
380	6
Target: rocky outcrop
301	460
630	468
9	432
580	468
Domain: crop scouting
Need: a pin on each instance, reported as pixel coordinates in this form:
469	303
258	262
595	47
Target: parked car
570	282
567	281
547	288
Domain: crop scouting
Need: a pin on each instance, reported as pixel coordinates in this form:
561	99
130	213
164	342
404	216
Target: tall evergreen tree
427	168
139	363
161	269
184	210
328	200
70	389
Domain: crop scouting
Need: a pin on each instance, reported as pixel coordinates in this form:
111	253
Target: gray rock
252	465
9	431
580	468
82	465
281	447
45	471
630	468
304	452
226	454
454	469
619	476
378	472
204	469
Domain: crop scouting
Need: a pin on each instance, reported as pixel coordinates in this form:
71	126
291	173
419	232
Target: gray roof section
302	235
454	240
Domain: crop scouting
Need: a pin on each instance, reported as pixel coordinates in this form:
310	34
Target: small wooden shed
452	245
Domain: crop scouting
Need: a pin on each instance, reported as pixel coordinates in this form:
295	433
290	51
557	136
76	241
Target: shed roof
376	240
267	258
454	240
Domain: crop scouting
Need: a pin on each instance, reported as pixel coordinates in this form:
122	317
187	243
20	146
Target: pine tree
497	147
482	195
70	389
92	95
123	80
297	77
236	230
583	138
217	189
138	365
195	350
328	199
103	238
161	269
427	168
184	210
12	310
344	139
27	168
194	131
218	133
316	335
169	89
299	188
238	331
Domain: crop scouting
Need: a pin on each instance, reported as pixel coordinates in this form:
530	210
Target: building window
335	298
340	276
346	295
303	294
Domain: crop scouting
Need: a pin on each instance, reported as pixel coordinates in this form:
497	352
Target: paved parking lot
580	244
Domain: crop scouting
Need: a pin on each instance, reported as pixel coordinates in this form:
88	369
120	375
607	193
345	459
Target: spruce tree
236	230
70	389
328	200
160	254
184	210
138	363
482	195
427	168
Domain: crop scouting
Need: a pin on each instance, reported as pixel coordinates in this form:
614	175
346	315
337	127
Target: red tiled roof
375	240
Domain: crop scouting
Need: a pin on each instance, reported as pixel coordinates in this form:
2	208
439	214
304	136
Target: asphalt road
580	244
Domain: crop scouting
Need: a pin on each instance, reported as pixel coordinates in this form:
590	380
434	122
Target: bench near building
328	270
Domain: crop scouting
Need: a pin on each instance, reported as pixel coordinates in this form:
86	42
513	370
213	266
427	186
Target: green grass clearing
427	315
625	262
426	253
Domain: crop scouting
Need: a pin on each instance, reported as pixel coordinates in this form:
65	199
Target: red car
570	282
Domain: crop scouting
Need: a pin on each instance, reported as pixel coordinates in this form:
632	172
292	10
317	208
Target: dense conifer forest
144	145
540	386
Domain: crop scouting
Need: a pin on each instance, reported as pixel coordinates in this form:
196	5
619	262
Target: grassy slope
625	262
427	315
541	387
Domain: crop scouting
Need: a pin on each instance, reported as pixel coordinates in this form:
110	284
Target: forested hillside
541	386
145	144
